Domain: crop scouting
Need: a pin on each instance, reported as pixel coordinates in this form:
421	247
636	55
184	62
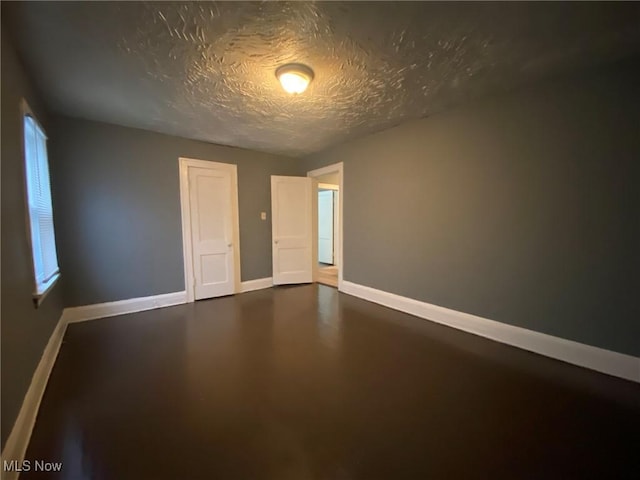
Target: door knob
275	241
230	245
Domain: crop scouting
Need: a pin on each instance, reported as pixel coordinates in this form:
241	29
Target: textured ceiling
206	70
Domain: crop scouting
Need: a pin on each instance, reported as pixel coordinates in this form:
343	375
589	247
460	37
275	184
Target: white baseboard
132	305
258	284
601	360
109	309
18	439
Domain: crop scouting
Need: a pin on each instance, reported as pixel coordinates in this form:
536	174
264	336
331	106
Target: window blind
43	242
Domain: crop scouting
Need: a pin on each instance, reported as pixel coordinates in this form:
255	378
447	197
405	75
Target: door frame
185	210
334	168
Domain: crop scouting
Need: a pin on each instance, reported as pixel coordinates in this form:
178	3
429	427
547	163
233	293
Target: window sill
38	298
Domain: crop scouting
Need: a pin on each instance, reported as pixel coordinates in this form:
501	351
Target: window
40	211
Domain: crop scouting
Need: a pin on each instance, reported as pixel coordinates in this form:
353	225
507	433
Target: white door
292	229
212	233
336	225
325	226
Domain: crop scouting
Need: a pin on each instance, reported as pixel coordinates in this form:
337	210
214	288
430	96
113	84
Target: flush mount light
294	77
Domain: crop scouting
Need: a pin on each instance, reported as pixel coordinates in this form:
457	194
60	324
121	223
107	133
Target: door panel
325	226
336	225
211	209
292	229
214	268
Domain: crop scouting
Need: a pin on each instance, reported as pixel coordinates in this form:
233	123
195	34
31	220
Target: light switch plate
263	215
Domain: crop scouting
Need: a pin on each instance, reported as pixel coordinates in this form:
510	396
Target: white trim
184	164
328	186
336	226
18	439
601	360
315	272
339	168
258	284
39	297
121	307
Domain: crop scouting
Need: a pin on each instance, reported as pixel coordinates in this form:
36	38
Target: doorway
329	192
210	228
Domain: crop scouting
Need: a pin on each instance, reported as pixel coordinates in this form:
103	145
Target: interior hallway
307	383
328	274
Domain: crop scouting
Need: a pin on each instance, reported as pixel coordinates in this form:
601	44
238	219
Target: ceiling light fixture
294	77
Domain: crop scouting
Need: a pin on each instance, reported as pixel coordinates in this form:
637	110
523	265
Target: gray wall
25	329
521	208
118	208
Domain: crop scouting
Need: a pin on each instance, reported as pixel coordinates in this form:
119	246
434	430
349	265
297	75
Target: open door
292	207
325	226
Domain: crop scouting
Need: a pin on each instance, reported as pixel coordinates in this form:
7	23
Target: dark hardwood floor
301	383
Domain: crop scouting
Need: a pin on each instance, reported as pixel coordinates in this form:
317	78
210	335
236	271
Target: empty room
320	240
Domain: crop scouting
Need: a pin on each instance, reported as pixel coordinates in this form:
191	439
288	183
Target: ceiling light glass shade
294	78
